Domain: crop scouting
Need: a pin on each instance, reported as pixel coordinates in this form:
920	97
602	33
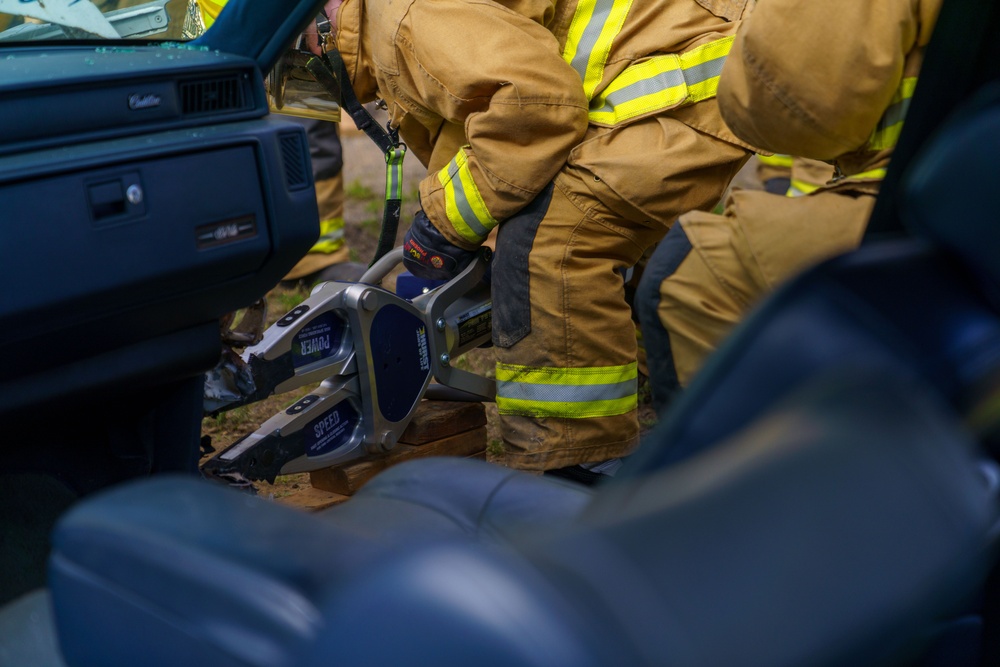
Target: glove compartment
110	244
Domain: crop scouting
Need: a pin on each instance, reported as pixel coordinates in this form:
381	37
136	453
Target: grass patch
494	449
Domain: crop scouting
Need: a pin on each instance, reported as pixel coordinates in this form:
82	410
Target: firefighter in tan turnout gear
580	128
834	89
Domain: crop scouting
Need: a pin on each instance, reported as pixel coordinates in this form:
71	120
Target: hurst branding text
425	360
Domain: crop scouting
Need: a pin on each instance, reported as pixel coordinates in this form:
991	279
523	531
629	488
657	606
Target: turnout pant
563	332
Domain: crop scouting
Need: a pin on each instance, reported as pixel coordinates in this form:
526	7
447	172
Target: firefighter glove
428	254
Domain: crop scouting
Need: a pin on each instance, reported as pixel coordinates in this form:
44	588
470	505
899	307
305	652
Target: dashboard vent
295	157
213	95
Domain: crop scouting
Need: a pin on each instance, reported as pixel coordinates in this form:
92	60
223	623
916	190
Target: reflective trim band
799	188
394	173
570	393
871	174
662	82
890	126
331	236
776	160
595	25
464	204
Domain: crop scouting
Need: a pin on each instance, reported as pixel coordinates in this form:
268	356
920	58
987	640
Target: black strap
387	139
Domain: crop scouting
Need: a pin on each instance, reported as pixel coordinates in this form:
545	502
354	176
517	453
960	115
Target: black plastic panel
112	243
61	95
131	256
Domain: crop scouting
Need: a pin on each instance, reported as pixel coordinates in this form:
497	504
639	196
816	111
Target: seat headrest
946	194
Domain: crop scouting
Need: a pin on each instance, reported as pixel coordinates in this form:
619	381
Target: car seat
816	498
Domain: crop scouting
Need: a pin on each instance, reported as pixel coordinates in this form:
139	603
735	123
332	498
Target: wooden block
435	420
311	499
348	478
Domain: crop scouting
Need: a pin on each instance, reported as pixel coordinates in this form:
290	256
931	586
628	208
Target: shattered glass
36	20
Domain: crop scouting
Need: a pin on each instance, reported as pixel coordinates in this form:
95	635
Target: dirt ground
364	178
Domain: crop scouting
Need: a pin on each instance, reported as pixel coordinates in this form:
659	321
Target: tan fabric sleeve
772	238
500	75
761	241
787	235
349	44
812	172
813	78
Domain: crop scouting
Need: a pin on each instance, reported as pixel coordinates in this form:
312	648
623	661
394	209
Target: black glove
428	254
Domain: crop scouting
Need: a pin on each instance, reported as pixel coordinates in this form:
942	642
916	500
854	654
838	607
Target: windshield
34	20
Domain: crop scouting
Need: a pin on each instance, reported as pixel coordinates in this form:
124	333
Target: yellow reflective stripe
706	61
662	82
331	236
594	27
649	85
572	393
890	126
776	160
870	174
463	202
798	188
394	172
564	376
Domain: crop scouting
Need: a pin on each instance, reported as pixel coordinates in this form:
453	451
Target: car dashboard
145	191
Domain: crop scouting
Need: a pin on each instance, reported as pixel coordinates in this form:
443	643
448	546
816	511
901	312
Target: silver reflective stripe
661	82
704	71
462	202
557	393
581	61
895	113
641	88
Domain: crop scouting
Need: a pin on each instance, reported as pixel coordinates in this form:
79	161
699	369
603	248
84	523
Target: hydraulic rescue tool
374	355
372	352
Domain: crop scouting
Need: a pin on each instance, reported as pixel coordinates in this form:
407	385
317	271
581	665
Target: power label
318	340
332	430
475	324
